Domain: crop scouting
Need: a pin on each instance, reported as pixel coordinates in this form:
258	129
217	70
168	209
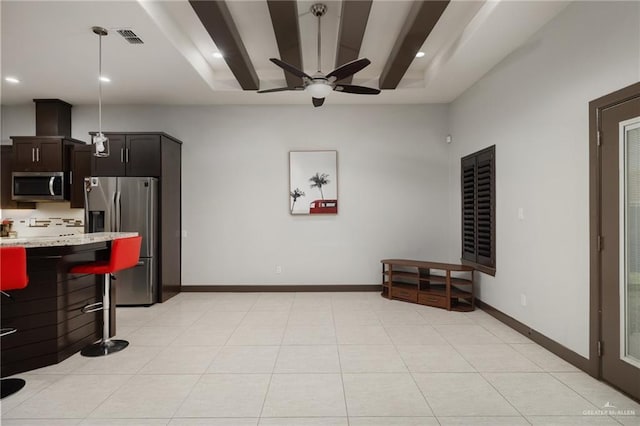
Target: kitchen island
48	313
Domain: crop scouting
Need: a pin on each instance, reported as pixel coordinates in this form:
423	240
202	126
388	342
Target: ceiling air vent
130	36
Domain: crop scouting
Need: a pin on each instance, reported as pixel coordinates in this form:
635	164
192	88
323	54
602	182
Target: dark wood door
49	156
620	249
143	155
80	169
114	164
24	156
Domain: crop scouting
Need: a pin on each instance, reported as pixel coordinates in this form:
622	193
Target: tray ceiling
50	48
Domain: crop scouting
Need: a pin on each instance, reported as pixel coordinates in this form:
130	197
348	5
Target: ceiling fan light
318	89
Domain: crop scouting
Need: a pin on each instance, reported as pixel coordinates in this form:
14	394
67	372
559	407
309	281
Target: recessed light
105	79
11	80
419	54
217	55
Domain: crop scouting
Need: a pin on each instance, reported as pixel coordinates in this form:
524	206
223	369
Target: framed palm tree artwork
313	182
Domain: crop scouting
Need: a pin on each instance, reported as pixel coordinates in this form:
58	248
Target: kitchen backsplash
48	219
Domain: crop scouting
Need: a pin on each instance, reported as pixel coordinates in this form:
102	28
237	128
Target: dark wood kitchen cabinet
114	164
37	154
132	154
80	169
48	313
41	153
6	152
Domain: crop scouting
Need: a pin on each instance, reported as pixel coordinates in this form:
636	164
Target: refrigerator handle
118	212
112	216
87	184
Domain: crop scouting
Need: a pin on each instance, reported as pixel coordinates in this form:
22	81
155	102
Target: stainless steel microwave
37	186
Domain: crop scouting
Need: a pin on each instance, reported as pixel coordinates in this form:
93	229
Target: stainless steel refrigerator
128	204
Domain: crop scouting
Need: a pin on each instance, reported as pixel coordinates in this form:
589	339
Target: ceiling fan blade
359	90
317	102
281	89
290	68
348	69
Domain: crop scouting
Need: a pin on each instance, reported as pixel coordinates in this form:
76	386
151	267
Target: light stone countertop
67	240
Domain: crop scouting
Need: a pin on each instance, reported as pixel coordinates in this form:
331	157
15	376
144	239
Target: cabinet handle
33	155
71	177
93	307
122	155
127	154
38	155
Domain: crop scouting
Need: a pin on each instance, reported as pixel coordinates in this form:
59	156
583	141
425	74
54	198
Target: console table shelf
412	281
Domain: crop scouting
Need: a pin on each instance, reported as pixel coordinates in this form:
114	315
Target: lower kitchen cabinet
48	313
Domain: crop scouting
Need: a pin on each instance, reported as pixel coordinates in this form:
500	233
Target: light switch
520	213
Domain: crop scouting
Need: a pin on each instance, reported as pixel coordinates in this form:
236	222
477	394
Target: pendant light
100	142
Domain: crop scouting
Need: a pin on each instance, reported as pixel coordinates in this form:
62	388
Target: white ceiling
50	47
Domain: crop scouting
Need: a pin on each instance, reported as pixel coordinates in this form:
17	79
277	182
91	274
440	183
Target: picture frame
313	182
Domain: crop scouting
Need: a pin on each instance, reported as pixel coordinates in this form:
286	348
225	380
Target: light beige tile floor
343	359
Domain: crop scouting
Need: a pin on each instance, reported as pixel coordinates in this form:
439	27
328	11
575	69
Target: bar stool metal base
10	386
104	348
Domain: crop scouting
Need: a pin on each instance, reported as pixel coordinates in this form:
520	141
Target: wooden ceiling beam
217	20
284	17
353	22
421	20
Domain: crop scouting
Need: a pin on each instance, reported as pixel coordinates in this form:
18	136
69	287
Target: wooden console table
413	281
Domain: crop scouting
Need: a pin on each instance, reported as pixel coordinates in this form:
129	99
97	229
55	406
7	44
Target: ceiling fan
320	85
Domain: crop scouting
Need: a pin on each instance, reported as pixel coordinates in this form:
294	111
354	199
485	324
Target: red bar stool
13	276
125	253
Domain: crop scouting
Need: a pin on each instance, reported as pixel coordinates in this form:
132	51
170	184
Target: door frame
595	218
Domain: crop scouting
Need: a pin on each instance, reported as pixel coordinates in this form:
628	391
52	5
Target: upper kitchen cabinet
132	154
41	153
37	154
114	164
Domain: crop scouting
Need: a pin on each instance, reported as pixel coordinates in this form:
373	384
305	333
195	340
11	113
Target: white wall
17	120
534	107
392	184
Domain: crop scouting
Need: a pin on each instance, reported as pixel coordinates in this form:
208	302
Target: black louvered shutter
468	209
478	208
485	208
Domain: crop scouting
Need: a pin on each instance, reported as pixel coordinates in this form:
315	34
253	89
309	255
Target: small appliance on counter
5	228
128	204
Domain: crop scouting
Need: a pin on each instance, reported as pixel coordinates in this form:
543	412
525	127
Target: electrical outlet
520	213
523	299
278	269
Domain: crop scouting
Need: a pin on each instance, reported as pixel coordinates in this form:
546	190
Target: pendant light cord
100	84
